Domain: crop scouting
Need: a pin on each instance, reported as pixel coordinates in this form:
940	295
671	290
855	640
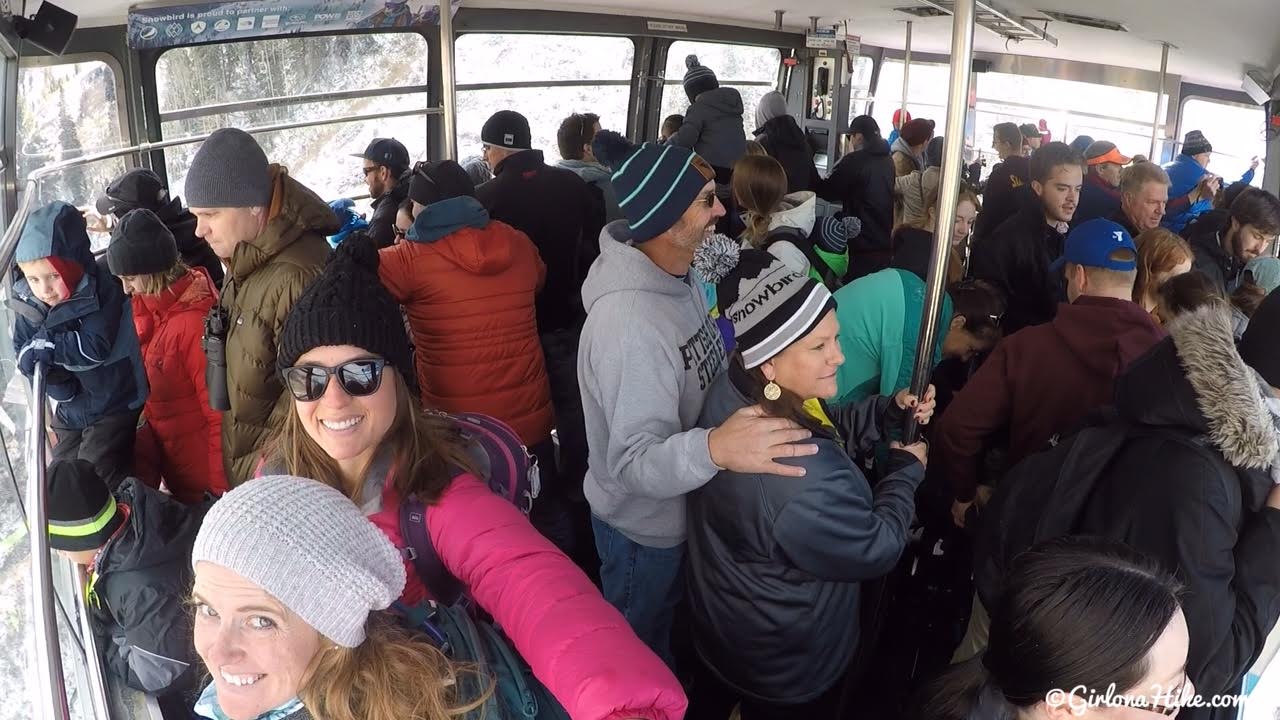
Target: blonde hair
759	184
372	680
157	283
426	448
1159	252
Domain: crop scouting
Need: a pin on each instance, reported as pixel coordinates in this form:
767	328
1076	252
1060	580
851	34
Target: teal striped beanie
655	184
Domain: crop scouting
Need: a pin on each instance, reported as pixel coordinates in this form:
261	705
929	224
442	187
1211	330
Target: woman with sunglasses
776	563
1085	629
356	425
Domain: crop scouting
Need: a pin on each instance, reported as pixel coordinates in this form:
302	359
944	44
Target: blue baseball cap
1094	243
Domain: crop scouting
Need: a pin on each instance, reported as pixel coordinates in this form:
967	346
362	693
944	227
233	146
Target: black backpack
1044	496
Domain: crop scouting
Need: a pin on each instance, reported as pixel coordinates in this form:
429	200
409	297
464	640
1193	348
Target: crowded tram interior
377	360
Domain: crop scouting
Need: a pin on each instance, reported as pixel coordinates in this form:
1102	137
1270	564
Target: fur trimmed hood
1227	393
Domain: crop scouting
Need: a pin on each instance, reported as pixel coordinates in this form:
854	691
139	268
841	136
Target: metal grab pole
906	74
51	690
92	653
1155	122
448	96
952	164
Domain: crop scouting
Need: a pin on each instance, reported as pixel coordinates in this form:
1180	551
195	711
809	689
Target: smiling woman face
256	649
348	428
808	366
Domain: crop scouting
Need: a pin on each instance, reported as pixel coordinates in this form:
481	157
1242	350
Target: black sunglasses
357	378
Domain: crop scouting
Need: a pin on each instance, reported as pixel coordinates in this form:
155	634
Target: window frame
660	80
122	109
1175	142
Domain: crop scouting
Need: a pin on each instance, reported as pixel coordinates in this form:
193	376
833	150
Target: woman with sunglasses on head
356	425
775	563
1077	618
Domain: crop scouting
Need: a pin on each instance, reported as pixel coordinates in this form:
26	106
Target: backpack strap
421	553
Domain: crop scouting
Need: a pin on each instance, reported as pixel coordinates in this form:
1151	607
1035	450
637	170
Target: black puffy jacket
382	225
143	580
785	142
863	181
1204	235
562	216
775	563
1016	259
1187	487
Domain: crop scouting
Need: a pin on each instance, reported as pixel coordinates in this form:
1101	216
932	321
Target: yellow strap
101	520
814	408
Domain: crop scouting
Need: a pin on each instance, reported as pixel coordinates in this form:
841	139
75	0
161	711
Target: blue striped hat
655	184
698	79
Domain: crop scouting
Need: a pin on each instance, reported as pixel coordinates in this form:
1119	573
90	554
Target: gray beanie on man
307	545
230	170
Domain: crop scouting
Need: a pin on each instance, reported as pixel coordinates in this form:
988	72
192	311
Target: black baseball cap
388	152
135	189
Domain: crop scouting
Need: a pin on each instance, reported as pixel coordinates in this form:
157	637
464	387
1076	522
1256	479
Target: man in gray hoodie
648	355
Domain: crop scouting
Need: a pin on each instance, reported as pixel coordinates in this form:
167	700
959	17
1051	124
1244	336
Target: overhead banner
158	27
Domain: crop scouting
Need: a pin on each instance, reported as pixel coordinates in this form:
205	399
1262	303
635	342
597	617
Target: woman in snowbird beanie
780	648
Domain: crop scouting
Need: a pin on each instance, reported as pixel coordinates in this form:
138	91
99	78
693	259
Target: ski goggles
357	378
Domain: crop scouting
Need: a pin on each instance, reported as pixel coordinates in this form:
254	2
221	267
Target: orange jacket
470	300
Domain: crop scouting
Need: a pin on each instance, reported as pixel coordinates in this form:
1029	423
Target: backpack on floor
515	693
503	463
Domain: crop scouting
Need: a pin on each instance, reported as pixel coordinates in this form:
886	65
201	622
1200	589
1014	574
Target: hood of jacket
486	249
193	291
1196	380
724	100
57	229
900	145
783	130
876	146
621	268
771	107
447	217
590	172
1100	333
798	210
160	530
295	211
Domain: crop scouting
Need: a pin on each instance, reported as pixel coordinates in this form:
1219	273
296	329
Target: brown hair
789	405
425	447
755	148
1187	293
759	184
1159	252
368	682
576	131
157	283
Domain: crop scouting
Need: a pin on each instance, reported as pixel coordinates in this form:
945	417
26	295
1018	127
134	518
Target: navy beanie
655	184
698	79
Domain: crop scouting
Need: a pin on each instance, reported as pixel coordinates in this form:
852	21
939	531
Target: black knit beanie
83	514
1260	346
347	305
141	245
441	180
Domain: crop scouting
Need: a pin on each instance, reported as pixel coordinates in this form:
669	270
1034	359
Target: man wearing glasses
386	162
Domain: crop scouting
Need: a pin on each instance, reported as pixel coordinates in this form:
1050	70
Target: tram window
192	82
860	86
926	98
67	110
1069	108
752	71
1236	131
582	74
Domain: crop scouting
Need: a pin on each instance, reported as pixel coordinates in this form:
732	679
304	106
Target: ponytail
966	691
759	184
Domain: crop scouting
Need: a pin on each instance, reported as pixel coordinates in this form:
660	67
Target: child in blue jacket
78	322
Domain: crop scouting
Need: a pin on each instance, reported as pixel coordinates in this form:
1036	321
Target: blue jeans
644	583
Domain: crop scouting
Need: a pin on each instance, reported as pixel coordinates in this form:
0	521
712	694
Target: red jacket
182	441
470	300
1042	380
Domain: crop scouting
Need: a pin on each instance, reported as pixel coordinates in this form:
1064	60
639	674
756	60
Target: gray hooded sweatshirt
648	355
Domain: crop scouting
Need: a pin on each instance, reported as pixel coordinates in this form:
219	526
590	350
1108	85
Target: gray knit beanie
230	170
307	545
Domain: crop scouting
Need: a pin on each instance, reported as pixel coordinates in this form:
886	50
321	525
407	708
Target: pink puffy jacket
577	644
